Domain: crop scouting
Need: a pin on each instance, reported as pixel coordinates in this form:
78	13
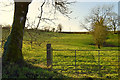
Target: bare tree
58	5
105	12
53	29
113	21
13	46
59	27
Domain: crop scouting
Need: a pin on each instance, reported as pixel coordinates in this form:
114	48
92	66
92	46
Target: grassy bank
34	51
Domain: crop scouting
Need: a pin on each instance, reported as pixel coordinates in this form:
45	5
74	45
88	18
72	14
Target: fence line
99	65
85	50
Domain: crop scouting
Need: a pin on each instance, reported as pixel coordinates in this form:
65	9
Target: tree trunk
98	46
114	29
13	46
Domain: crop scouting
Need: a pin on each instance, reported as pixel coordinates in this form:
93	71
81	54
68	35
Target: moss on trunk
13	45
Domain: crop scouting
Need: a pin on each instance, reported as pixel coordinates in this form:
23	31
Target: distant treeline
117	32
76	32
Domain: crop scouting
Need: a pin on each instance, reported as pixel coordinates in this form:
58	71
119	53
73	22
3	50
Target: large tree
13	46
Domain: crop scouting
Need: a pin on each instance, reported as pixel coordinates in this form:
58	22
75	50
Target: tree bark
13	46
114	29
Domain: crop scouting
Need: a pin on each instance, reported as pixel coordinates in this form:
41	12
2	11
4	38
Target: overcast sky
80	9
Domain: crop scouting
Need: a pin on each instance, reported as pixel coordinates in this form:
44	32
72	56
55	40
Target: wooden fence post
49	55
75	61
99	62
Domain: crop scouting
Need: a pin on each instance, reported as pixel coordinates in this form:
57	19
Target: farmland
34	52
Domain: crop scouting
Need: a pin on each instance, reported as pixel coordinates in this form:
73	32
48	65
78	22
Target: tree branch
40	14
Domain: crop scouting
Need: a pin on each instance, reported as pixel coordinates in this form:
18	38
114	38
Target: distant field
35	53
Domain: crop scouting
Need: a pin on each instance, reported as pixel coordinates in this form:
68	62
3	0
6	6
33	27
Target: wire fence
98	62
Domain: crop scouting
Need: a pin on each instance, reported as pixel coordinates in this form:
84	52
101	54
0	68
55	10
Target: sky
80	9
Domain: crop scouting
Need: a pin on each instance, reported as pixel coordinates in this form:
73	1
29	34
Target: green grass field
35	54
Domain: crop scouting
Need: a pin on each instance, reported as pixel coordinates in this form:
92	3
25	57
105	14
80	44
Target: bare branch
47	19
40	14
84	26
62	7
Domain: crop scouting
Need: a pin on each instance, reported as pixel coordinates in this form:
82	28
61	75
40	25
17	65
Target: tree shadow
107	45
110	45
28	71
24	71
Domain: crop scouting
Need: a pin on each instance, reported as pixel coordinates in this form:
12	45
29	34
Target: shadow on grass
25	71
110	45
